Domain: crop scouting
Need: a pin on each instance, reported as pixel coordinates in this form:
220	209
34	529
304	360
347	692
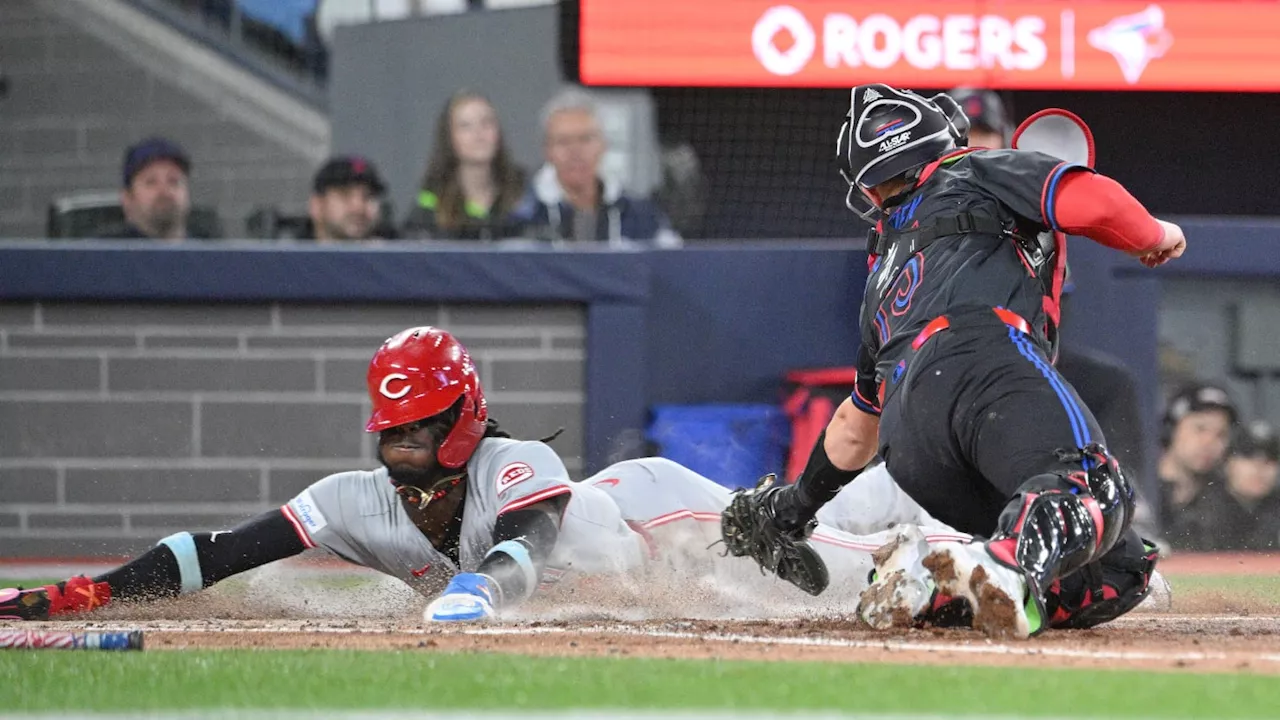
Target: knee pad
1110	487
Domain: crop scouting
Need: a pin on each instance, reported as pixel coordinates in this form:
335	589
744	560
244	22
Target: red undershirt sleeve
1100	209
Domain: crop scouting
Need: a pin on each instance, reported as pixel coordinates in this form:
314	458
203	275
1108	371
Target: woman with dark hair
471	183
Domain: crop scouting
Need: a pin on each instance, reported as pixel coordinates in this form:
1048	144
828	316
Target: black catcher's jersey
1013	266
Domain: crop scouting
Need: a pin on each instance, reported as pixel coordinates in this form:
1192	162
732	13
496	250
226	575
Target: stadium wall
145	389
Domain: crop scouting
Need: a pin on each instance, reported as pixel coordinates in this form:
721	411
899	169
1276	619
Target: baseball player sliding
476	520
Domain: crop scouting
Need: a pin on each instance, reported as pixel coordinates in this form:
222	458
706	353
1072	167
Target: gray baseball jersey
678	509
359	517
874	502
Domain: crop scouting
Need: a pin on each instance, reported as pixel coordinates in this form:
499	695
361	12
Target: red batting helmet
422	372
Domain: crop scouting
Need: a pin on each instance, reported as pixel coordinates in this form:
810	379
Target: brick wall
122	423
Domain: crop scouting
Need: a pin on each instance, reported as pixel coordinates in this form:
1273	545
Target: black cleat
750	528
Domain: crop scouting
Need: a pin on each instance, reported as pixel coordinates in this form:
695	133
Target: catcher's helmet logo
895	141
385	387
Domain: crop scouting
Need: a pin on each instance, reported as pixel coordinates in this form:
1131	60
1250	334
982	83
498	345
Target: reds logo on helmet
422	372
385	387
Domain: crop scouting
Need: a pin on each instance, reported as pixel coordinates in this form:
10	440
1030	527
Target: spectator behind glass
471	184
1197	430
569	200
344	201
155	198
989	125
1253	469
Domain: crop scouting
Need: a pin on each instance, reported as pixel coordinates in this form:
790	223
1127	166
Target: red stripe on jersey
535	498
848	545
297	526
958	537
681	515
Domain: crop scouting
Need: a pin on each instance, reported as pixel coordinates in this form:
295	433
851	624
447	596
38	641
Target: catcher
956	388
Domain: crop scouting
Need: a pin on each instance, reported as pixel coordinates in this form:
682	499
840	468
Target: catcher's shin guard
1104	590
1061	521
750	527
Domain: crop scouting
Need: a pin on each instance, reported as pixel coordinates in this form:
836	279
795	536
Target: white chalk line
980	647
890	645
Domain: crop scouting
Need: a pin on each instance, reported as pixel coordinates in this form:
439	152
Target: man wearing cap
1249	501
1197	430
155	197
989	125
345	198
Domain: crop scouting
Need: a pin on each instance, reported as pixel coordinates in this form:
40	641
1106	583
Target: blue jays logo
1134	40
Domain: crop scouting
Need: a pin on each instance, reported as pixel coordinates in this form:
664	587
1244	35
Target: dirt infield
1161	642
1203	631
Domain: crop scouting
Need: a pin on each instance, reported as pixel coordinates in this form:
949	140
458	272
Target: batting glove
467	597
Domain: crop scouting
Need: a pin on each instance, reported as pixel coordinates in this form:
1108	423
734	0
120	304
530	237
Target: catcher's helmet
888	133
422	372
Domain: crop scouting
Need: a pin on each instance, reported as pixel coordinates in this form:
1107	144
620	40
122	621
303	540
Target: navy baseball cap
346	170
984	108
1199	397
1257	439
148	151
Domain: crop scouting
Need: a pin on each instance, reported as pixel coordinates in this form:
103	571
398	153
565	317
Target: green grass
344	679
27	582
1242	587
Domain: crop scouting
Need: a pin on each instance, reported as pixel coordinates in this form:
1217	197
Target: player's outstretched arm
181	563
1099	208
510	571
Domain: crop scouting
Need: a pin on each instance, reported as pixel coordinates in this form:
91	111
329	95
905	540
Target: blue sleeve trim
1052	192
862	405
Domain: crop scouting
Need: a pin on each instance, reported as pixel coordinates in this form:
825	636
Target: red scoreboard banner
1230	45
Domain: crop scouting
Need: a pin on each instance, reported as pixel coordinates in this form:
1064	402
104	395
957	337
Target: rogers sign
926	42
1016	44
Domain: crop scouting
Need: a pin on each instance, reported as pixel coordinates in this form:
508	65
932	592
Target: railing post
237	24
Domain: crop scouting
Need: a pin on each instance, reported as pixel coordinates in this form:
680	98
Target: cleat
1159	597
998	594
902	589
79	594
750	528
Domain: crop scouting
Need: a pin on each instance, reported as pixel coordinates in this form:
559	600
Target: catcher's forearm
523	541
1100	209
186	562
